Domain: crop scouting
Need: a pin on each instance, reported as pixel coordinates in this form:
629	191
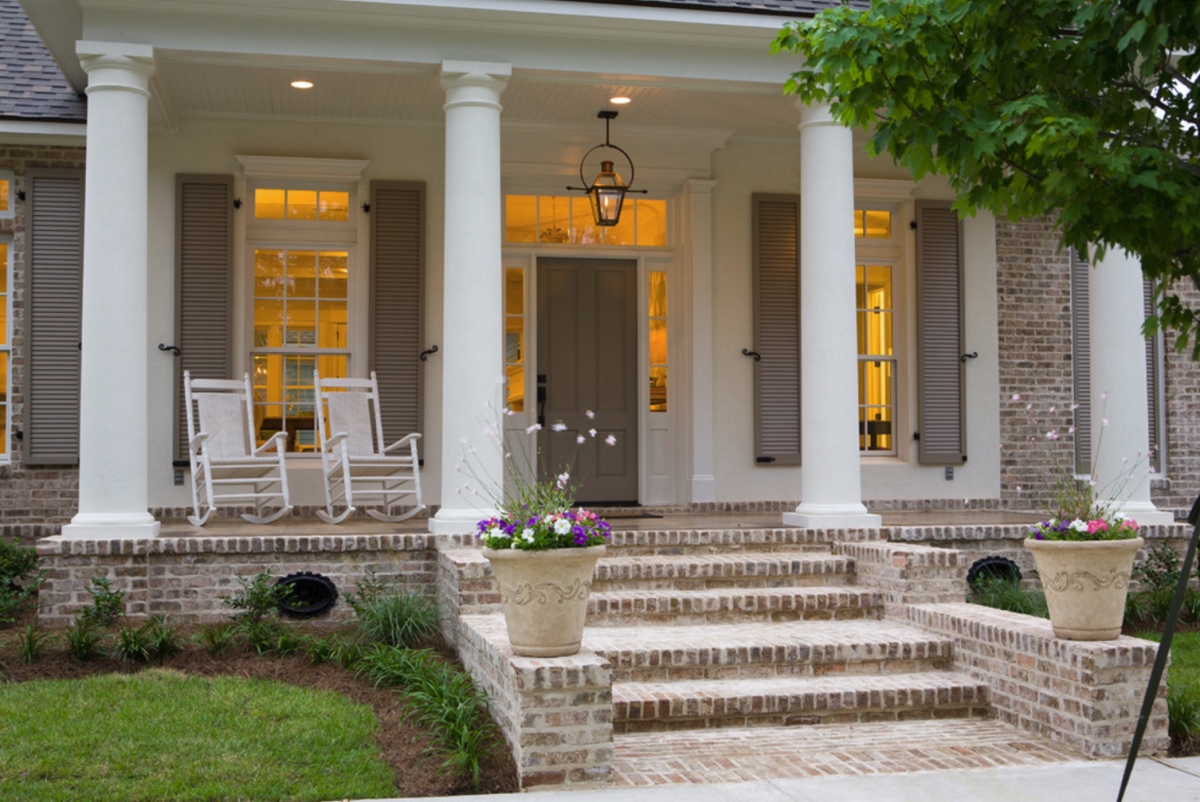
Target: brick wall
34	501
1182	380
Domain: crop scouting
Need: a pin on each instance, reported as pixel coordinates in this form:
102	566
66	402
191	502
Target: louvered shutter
1154	384
1081	358
940	382
55	263
776	267
203	285
397	261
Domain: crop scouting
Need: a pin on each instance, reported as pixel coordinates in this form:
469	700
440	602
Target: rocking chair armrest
403	441
197	442
277	441
334	440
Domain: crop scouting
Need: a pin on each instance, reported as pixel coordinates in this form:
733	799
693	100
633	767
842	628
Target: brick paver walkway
772	753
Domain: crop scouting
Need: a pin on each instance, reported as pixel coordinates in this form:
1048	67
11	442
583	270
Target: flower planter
545	595
1085	582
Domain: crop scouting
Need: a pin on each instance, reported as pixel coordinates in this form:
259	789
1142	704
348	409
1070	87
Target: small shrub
217	638
1183	708
1159	572
162	637
258	599
18	579
83	640
133	644
262	635
1004	594
107	605
389	615
16	561
31	643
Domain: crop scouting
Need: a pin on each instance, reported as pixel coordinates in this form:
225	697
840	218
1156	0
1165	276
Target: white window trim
889	252
6	348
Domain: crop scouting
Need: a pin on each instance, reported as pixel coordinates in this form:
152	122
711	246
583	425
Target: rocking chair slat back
350	412
222	415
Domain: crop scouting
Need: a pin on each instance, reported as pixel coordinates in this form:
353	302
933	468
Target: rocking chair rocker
356	464
227	468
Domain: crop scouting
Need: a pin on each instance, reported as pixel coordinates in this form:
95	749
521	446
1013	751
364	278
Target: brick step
701	571
785	701
724	541
721	605
756	649
710	756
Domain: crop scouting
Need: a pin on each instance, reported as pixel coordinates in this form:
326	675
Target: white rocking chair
227	468
356	464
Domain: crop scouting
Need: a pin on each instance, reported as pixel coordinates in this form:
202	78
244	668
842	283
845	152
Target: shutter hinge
237	203
912	224
366	207
764	459
916	435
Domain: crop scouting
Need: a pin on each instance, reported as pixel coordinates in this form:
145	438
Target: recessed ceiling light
619	101
302	84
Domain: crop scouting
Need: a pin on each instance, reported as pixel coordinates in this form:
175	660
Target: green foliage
258	599
162	637
1183	708
16	561
261	635
18	582
1003	593
1183	683
83	640
217	638
160	735
1158	577
288	642
1087	111
133	644
388	614
107	605
31	643
440	698
335	648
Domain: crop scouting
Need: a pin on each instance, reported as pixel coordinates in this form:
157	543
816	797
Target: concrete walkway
1154	780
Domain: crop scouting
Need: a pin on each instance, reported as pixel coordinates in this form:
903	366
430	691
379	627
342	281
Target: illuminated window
567	219
301	325
658	341
514	337
302	205
5	343
876	359
6	195
872	224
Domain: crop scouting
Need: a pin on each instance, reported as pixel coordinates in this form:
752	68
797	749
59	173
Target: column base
1144	512
832	516
704	488
458	522
111	526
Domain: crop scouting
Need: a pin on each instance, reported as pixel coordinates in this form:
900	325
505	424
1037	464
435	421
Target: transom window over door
301	325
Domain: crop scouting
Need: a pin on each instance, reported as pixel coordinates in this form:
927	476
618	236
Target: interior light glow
619	101
302	84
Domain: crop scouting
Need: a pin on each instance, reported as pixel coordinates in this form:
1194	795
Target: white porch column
830	484
473	348
1118	364
697	205
113	439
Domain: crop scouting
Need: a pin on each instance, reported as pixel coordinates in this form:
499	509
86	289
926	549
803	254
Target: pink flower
1016	397
1097	526
610	440
1130	523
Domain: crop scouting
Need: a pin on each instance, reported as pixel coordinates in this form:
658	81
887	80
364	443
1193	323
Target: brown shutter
397	262
1154	384
776	266
203	285
940	379
1081	359
55	264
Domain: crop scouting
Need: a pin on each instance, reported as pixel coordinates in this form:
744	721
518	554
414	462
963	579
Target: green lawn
1183	681
161	735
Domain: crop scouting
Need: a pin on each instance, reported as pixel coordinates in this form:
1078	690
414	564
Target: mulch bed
402	745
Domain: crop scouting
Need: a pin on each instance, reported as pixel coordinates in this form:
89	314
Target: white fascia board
60	24
530	34
39	132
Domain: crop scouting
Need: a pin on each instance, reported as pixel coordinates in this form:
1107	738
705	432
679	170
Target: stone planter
1086	582
545	595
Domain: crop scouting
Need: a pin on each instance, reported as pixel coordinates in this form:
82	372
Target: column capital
116	66
815	114
700	186
474	83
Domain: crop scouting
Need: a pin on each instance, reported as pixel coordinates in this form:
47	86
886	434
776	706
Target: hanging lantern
607	192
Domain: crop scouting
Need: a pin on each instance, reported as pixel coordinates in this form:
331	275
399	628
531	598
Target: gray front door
587	360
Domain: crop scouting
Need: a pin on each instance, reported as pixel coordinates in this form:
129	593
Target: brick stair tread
743	697
726	565
705	756
731	600
760	642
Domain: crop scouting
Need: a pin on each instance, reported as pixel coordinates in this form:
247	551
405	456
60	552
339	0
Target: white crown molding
885	189
293	167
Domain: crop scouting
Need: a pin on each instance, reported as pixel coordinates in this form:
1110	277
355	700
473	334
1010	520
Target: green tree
1082	109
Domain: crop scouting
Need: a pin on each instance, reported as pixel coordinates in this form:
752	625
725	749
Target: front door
587	361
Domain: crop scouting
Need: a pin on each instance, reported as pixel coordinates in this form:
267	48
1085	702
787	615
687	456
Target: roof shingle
31	85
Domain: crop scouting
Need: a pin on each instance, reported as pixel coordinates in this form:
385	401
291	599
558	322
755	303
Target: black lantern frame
607	193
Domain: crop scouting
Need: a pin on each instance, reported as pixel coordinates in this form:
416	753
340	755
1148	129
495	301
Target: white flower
580	438
537	427
1016	397
1118	517
610	440
1078	525
1104	421
562	526
463	440
562	480
1071	430
592	432
496	531
591	415
1029	407
1052	434
1052	408
501	379
1104	396
559	427
527	535
1074	407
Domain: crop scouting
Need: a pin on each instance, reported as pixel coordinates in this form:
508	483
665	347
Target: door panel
587	350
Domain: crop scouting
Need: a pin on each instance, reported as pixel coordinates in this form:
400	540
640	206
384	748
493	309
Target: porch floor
630	520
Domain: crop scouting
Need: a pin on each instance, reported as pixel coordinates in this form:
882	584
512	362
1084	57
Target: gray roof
31	85
786	8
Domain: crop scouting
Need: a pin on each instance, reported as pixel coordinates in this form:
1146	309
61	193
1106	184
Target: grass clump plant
1004	593
389	614
31	643
83	640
